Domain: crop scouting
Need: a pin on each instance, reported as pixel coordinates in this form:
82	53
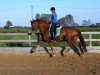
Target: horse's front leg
51	46
37	46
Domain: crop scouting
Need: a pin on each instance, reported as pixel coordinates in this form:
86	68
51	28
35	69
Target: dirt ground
43	64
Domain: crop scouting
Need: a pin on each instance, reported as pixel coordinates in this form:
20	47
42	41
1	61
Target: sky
19	11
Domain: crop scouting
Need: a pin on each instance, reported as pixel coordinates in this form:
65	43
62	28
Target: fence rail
90	40
90	37
14	34
3	41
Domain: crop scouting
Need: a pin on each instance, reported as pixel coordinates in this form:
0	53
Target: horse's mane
42	25
40	21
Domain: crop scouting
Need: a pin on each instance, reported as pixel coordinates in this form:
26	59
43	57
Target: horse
68	34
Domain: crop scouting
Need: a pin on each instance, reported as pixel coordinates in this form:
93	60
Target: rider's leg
55	32
51	32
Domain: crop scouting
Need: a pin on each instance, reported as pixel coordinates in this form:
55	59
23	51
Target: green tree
86	23
69	19
45	17
37	16
8	24
61	21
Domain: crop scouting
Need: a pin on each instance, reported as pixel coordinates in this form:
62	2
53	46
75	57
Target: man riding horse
68	34
53	23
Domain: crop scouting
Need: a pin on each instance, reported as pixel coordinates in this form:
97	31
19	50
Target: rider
53	22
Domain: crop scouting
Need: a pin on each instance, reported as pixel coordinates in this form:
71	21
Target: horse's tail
82	40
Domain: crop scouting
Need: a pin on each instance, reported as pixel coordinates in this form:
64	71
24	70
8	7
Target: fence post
29	38
90	37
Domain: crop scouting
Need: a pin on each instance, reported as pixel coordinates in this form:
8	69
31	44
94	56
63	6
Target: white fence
90	40
17	34
90	37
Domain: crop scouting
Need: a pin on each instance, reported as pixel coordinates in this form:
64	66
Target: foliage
37	16
67	20
16	30
88	28
8	24
61	21
86	23
45	17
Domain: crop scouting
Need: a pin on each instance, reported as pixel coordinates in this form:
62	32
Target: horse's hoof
53	54
85	51
67	50
32	51
81	55
62	54
53	41
50	55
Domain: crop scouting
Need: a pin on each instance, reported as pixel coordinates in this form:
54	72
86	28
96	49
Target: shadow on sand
50	54
34	48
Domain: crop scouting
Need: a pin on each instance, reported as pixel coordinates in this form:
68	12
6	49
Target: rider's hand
49	22
57	26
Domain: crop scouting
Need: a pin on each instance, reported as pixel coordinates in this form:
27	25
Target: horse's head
34	25
40	25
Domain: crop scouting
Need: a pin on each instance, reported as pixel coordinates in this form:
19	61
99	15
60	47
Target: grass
15	30
88	29
19	37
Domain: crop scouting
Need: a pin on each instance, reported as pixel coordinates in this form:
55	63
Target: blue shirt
54	18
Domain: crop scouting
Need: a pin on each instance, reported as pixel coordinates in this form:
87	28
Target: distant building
97	24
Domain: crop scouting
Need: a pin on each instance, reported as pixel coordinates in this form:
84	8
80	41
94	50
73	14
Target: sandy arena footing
40	63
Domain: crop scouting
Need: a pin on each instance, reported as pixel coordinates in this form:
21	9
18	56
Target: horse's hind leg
82	51
79	46
64	49
74	47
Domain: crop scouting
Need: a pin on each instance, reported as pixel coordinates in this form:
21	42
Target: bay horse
68	34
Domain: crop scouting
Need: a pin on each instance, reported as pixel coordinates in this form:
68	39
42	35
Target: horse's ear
30	20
